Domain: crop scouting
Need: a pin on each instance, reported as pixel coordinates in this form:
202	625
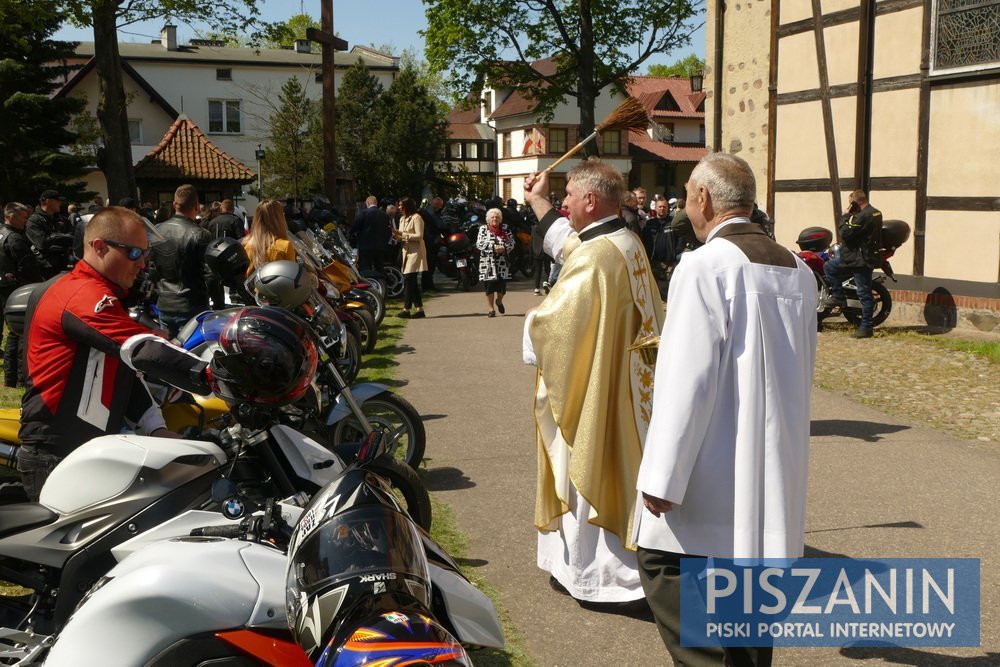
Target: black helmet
266	356
353	556
228	259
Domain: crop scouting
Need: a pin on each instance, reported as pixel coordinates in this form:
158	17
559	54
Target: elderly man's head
722	186
16	214
593	191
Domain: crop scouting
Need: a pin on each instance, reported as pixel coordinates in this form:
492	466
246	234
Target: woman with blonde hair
268	238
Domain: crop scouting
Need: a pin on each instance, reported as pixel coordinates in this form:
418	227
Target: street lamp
259	154
697	81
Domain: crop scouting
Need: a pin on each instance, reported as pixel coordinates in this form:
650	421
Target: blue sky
366	22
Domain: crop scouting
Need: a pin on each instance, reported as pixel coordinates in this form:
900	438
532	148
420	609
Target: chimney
303	46
168	37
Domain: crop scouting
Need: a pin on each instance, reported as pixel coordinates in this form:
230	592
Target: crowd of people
700	452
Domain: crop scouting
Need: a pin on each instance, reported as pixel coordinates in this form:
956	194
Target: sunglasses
132	252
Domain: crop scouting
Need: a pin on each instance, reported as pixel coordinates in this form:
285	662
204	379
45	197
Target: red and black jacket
78	385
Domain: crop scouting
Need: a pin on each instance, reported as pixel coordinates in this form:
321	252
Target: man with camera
860	240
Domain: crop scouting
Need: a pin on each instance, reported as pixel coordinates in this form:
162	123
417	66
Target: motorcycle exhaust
8	455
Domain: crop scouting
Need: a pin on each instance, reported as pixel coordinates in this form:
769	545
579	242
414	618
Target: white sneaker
538	292
546	286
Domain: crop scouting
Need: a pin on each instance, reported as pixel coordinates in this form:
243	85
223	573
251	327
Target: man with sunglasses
84	353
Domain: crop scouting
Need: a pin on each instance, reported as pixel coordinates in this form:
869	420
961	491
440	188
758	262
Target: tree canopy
295	158
34	127
593	44
686	66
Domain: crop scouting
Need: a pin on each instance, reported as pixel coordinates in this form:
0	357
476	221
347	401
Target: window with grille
224	74
966	34
612	143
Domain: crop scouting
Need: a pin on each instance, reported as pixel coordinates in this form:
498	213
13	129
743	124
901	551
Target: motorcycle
355	568
458	257
815	249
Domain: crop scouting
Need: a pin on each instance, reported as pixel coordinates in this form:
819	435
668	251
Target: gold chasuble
593	395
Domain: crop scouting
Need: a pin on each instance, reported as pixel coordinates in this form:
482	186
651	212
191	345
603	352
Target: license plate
461	263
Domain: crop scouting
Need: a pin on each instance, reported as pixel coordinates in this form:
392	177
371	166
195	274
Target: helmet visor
368	539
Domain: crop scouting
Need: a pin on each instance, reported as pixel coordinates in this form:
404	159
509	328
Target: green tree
295	159
686	67
34	126
357	123
593	44
106	16
412	132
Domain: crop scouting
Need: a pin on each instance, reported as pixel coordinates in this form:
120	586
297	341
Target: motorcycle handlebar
233	530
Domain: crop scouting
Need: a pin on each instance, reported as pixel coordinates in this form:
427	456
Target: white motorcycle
356	565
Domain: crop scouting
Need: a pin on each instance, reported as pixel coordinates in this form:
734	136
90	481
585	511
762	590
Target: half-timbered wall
898	97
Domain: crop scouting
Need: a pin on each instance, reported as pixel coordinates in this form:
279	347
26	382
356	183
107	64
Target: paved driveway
879	487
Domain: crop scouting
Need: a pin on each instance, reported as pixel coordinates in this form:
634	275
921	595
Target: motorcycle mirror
222	489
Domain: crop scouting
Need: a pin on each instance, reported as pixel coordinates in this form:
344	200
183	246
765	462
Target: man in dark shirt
179	263
433	228
371	233
50	234
861	237
18	266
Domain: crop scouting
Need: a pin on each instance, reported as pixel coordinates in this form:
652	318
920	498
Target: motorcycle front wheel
348	362
408	487
372	301
393	282
880	313
405	437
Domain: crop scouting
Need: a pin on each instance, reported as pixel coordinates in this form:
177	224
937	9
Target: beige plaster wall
841	53
963	141
797	63
744	95
897	43
845	117
897	205
830	6
894	132
800	147
963	245
794	211
795	10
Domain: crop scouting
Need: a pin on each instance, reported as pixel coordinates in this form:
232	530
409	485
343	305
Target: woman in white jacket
494	242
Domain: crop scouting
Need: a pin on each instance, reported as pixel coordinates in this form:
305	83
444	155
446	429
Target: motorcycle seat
22	516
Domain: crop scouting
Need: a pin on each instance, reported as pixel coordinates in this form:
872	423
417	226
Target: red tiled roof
650	90
459	116
643	148
186	153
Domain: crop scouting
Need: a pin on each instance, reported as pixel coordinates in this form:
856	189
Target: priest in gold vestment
593	394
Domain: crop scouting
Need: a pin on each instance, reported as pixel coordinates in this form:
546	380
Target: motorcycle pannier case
815	239
894	233
459	242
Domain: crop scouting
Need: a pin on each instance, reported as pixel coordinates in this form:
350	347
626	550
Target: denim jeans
835	275
35	467
174	322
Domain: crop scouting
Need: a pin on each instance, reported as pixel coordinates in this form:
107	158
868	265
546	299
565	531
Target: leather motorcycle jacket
861	236
178	266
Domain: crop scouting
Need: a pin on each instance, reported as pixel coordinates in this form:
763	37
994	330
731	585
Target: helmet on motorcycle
393	638
266	356
282	283
228	259
353	555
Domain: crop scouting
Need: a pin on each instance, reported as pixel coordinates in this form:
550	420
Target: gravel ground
954	392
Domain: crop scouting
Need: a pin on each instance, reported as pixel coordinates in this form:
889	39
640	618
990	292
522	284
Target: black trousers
13	365
411	291
660	573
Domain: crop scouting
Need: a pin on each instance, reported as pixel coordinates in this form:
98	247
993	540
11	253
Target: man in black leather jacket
50	234
861	238
179	263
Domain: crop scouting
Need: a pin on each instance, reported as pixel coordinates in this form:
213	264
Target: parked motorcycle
815	249
458	257
357	570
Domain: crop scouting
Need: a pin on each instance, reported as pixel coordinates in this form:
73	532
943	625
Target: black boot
863	332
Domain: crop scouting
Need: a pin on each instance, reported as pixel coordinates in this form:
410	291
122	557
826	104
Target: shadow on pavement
867	431
432	417
445	317
898	655
472	562
893	524
446	479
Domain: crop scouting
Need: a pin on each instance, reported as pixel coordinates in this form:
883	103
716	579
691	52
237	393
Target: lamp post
260	154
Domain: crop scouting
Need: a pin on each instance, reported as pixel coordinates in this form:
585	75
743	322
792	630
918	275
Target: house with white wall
228	92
